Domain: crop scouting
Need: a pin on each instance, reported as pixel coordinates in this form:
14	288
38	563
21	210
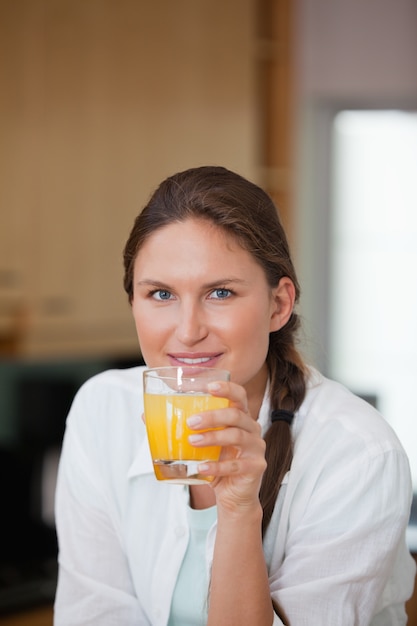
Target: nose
191	327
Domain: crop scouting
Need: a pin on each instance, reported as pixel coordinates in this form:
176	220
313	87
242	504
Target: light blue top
189	602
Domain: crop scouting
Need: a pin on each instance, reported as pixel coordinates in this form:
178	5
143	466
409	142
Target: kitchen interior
99	101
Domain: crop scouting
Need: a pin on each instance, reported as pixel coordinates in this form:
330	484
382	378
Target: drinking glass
171	395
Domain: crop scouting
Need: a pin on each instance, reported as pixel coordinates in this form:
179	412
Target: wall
351	48
347	53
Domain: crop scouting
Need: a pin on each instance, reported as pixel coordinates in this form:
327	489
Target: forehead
192	243
191	233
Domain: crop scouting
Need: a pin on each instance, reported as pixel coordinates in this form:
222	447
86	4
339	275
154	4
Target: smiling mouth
197	361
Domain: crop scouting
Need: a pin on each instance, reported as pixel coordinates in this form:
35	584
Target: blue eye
221	294
161	294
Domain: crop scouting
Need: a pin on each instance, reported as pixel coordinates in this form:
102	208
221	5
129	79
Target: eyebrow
212	285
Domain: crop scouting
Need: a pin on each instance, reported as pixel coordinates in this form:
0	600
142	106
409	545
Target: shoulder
111	399
112	384
340	417
122	380
344	450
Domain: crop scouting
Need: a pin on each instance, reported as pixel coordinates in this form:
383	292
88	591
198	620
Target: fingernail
195	438
203	467
194	420
214	386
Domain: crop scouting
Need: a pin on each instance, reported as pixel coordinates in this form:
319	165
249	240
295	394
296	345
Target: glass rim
188	371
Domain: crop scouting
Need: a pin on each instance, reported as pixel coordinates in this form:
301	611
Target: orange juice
174	458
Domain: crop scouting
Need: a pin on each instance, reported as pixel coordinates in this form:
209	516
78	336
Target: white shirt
335	548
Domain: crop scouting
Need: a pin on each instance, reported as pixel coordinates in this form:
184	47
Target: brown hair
247	213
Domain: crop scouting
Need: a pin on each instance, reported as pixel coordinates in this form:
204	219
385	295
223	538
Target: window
373	264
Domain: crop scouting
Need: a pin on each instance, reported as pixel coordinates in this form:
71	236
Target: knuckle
240	437
263	464
234	467
235	415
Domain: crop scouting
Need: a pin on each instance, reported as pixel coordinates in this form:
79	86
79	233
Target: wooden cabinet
100	100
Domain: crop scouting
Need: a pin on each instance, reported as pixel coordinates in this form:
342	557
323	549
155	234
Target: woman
304	522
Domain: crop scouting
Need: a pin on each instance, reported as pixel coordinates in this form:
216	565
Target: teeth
194	361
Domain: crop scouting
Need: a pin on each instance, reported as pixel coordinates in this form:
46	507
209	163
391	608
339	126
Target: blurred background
315	100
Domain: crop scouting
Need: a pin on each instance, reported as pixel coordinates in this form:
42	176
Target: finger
235	437
221	418
249	469
233	392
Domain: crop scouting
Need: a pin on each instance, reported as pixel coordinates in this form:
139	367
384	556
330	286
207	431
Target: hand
238	473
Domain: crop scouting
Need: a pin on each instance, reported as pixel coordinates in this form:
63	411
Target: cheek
249	328
257	333
154	330
249	350
145	324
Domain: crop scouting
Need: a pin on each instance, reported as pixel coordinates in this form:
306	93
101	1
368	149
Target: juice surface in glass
173	457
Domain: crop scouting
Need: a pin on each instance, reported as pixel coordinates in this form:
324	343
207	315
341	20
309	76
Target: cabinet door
126	95
20	98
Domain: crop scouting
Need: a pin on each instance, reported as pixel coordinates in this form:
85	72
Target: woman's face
200	298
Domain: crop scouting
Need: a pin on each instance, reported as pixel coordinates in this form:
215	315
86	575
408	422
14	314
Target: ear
283	299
